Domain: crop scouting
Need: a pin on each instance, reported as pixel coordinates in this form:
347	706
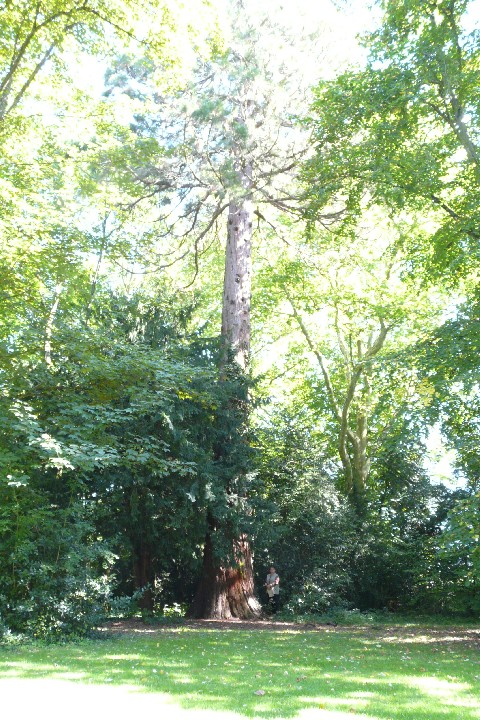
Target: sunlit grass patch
269	674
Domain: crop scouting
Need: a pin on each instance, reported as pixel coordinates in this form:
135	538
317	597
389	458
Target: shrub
56	576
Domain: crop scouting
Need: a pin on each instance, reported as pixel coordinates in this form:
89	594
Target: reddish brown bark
226	592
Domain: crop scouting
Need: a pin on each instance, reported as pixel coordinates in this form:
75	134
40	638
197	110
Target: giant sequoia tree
228	150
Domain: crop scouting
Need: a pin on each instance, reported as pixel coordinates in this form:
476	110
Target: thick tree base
225	593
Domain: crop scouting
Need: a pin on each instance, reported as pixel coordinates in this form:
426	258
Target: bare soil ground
388	633
138	626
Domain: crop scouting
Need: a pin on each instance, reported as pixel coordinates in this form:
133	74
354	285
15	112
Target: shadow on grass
357	673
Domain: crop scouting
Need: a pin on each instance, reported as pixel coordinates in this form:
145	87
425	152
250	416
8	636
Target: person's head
272	570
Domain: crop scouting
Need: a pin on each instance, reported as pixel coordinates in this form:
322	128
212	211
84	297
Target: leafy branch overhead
404	130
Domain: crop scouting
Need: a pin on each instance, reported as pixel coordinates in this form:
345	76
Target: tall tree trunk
237	282
143	575
226	592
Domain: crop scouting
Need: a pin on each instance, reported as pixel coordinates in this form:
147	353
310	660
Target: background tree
404	130
58	577
307	528
354	311
125	451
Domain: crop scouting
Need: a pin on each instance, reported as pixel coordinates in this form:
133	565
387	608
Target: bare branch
49	326
320	358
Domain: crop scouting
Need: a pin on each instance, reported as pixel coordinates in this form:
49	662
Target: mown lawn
390	672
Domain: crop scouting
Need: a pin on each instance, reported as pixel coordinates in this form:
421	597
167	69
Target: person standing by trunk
272	586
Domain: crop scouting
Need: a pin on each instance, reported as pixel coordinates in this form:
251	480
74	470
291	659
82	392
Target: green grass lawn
377	672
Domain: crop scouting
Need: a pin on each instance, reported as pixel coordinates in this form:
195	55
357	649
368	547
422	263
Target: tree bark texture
237	284
226	592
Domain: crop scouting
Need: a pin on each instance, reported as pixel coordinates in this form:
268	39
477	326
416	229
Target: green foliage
449	367
447	570
404	515
459	552
118	438
329	556
306	529
125	424
404	132
56	574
